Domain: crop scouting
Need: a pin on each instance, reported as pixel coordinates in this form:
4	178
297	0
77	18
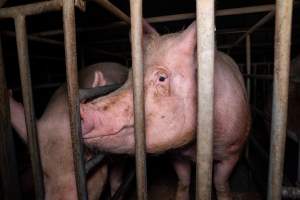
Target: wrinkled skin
55	139
170	109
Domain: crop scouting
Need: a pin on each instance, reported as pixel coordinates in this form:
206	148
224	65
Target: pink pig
170	107
55	139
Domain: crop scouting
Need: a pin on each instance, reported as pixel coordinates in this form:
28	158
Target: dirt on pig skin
55	138
170	68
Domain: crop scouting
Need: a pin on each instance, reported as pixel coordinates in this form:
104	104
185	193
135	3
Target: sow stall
227	39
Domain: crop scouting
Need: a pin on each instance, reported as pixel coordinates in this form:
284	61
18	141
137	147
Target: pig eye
162	78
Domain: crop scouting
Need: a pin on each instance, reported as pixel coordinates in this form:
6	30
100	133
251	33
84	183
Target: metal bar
170	18
298	167
138	93
291	192
260	23
31	9
206	59
90	93
124	187
280	96
35	38
96	160
73	96
8	163
113	9
248	63
292	135
22	46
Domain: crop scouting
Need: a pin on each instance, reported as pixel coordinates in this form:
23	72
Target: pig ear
188	39
99	79
149	32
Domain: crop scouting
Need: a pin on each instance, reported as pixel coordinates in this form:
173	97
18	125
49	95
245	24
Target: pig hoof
182	192
224	196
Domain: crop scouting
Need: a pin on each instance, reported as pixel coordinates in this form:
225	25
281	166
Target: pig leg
115	177
183	170
222	171
17	117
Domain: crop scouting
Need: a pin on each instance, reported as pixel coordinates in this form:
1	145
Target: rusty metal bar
206	59
170	18
113	9
280	96
73	96
138	93
35	38
291	192
260	23
22	44
248	63
8	163
31	9
96	160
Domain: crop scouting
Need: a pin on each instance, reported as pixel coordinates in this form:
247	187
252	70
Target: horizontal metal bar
96	160
73	97
22	46
260	23
170	18
90	93
31	9
291	192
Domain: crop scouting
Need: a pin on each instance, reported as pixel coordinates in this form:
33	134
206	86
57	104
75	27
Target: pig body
170	108
55	139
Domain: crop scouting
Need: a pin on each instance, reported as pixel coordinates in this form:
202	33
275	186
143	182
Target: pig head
170	99
170	103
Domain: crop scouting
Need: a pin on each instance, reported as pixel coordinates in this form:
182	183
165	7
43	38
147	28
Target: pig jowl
170	69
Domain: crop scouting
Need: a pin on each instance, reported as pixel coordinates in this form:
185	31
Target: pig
170	67
55	139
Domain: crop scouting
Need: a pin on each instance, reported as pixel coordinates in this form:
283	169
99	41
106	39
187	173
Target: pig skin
170	107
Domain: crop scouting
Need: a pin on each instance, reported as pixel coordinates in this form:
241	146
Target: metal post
248	64
73	96
206	59
138	92
22	44
280	96
8	164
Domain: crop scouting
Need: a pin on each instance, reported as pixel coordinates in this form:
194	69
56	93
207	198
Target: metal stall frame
18	13
283	24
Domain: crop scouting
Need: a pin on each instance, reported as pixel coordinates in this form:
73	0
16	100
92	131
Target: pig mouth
88	136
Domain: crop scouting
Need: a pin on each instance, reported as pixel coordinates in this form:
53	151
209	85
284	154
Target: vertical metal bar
206	59
298	168
73	96
8	161
22	44
138	91
248	63
280	96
